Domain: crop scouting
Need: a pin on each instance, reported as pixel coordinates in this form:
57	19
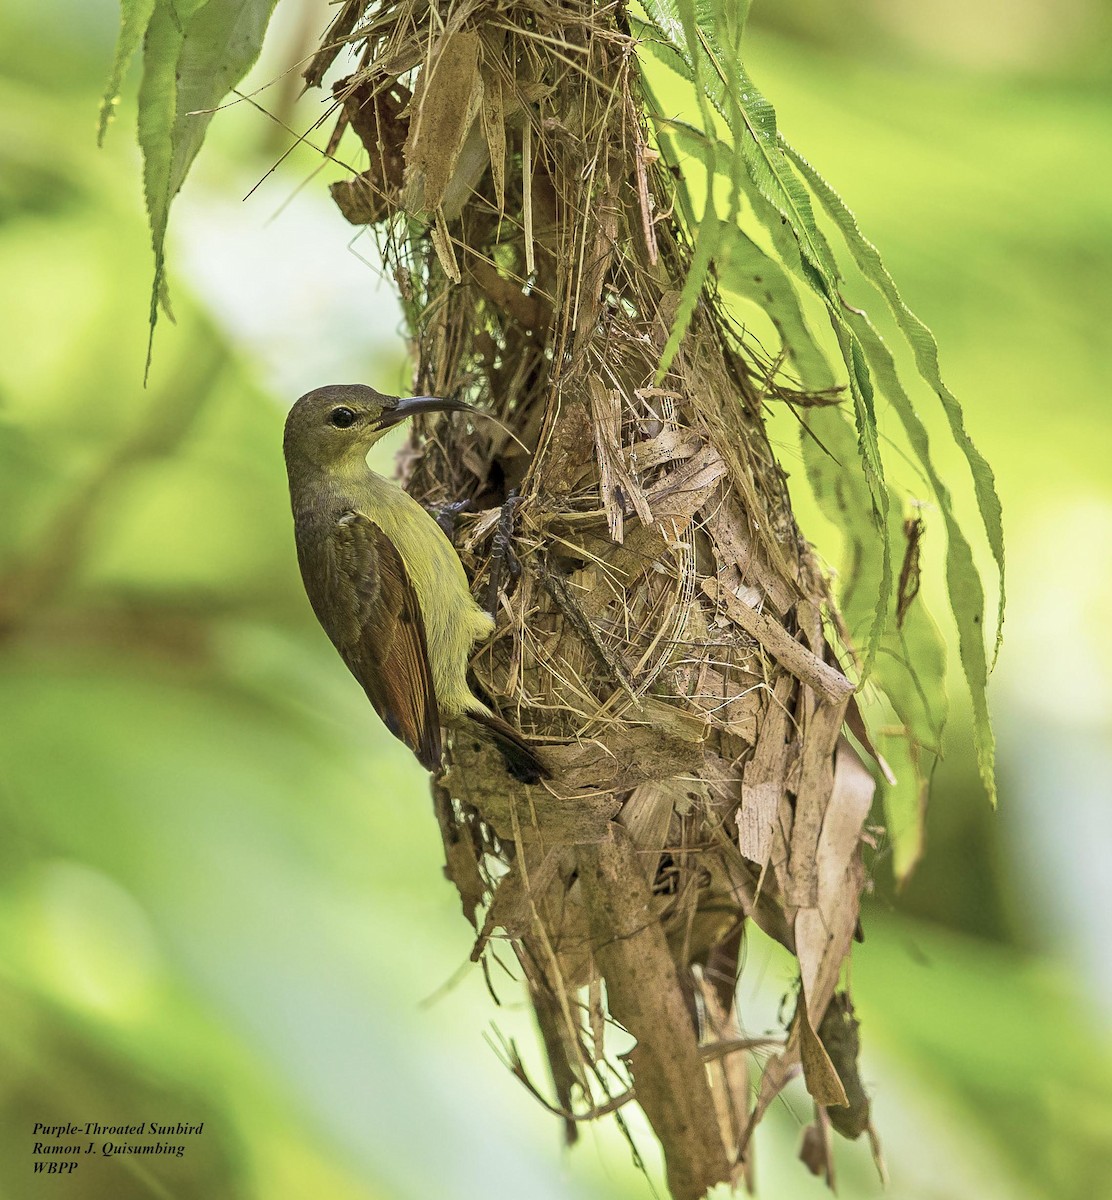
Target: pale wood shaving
763	782
826	680
446	101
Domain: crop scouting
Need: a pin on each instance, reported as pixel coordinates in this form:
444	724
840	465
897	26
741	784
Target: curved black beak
411	406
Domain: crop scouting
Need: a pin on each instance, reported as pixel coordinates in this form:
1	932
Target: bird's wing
380	632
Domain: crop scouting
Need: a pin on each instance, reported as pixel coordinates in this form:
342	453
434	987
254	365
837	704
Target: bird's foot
445	516
504	560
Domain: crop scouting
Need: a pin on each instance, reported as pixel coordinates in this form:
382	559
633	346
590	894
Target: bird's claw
445	516
504	559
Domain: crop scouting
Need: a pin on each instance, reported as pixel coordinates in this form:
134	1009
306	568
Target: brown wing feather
381	633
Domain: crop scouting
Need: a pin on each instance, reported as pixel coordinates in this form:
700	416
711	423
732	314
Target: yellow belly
453	621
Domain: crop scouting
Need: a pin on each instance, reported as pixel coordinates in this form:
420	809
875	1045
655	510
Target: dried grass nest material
664	632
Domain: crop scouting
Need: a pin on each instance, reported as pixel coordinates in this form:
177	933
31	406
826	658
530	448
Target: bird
384	580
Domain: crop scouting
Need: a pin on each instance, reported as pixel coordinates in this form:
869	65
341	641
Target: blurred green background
220	885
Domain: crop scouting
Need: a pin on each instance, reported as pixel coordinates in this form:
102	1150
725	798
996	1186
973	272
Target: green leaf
905	801
135	15
925	349
157	107
744	268
906	709
911	671
195	52
963	581
868	451
726	83
707	236
706	242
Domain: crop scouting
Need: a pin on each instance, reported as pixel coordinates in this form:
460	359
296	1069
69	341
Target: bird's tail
521	759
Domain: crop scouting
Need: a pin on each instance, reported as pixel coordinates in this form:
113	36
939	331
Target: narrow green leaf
195	52
868	449
925	349
744	268
157	108
738	16
724	18
963	580
706	243
906	710
135	15
728	86
905	801
829	456
707	236
222	42
910	671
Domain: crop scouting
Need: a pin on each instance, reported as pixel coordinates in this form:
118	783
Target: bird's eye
342	418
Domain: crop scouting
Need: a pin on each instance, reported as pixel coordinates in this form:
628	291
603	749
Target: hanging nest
664	633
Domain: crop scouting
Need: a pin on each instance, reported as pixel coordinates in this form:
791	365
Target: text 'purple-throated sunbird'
383	578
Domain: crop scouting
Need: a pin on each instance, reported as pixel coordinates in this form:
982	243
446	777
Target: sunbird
385	582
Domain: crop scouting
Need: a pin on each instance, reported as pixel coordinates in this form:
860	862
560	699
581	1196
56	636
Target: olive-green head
341	422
